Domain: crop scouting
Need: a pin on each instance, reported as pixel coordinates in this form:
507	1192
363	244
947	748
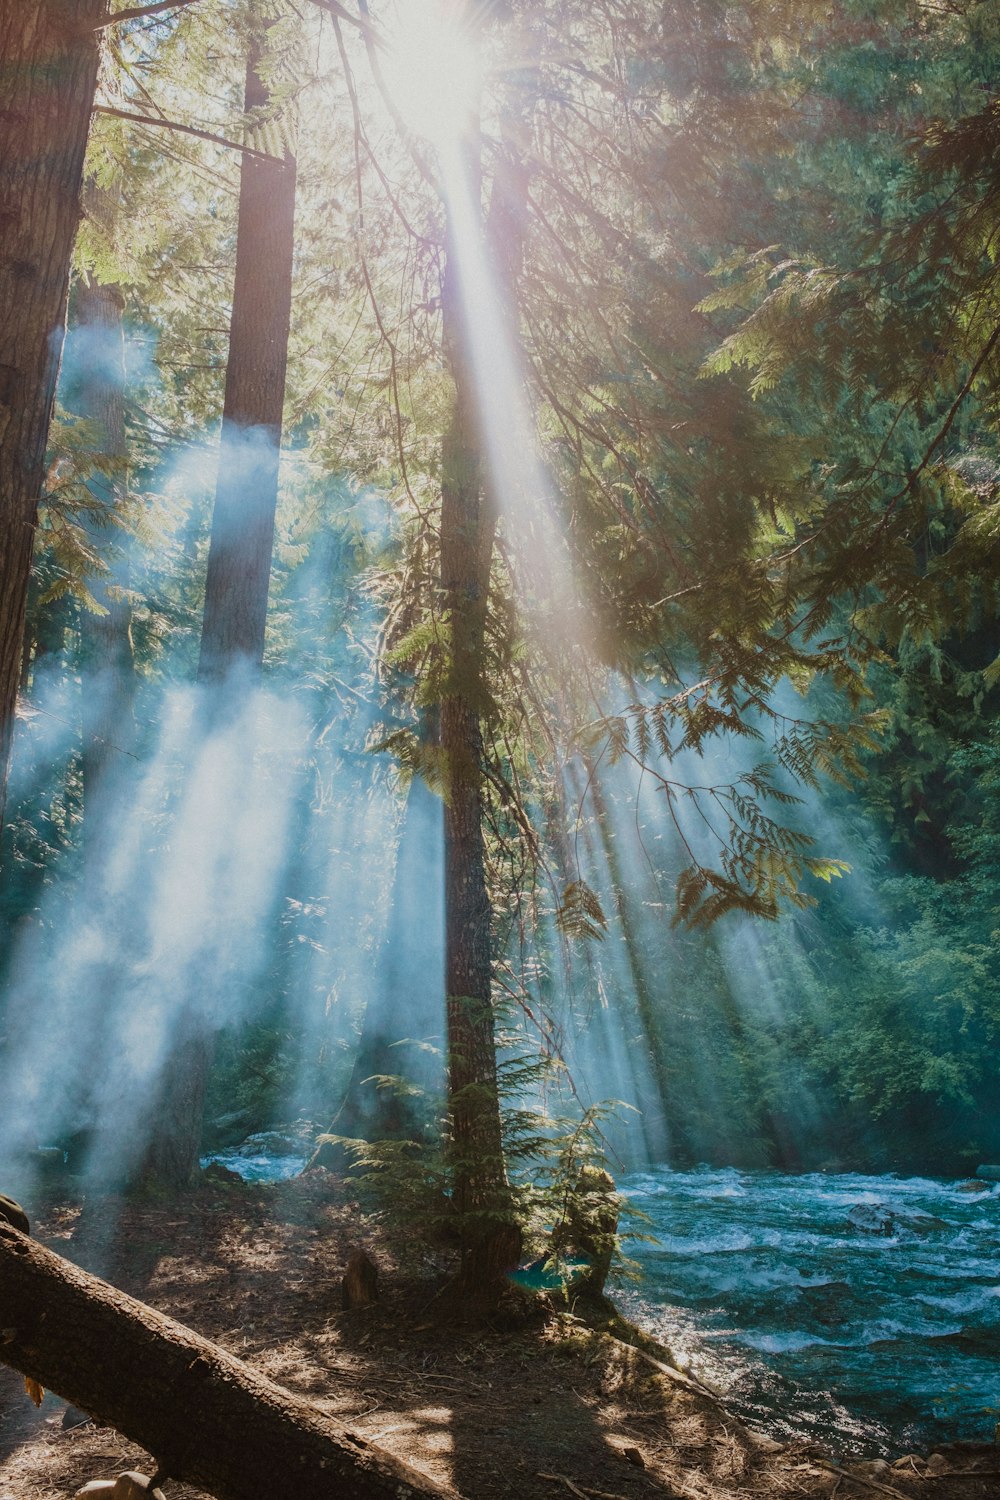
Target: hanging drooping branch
208	1419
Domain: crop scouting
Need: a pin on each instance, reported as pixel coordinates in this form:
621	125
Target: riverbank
535	1405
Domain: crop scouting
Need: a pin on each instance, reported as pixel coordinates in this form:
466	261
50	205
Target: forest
499	692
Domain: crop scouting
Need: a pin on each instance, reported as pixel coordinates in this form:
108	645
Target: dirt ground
534	1405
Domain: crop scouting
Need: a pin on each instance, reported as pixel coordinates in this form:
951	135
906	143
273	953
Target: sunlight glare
432	70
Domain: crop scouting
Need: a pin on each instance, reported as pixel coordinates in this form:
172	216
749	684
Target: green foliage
757	303
580	913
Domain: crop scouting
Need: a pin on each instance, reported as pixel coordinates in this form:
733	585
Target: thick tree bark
207	1419
50	55
239	560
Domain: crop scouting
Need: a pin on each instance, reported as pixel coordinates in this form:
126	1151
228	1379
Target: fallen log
207	1418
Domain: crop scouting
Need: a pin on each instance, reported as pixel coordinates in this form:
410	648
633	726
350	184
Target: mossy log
207	1418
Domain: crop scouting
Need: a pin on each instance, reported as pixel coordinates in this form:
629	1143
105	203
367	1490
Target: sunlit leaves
580	912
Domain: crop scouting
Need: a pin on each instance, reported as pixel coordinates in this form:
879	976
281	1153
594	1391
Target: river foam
874	1335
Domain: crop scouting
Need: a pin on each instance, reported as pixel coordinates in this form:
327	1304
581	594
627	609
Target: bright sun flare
432	70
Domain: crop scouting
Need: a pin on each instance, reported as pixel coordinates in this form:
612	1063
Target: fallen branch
208	1419
690	1382
579	1489
862	1479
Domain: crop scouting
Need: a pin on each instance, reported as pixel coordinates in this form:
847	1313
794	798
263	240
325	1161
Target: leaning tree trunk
207	1418
239	561
50	51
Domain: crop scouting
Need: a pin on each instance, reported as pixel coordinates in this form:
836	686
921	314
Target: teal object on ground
542	1276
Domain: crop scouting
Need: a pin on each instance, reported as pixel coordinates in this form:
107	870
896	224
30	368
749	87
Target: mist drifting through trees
521	648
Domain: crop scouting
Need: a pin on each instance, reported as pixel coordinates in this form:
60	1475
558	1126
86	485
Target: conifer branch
201	135
138	12
341	13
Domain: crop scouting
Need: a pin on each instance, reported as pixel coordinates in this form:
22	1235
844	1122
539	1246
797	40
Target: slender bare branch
138	12
202	135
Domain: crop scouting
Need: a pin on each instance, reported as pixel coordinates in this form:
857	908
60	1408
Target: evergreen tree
51	53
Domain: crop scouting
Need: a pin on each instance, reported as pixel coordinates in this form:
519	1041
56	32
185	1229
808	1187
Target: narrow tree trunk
239	558
491	1238
50	58
239	562
207	1418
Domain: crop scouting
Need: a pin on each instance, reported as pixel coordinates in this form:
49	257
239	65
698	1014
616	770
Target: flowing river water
860	1311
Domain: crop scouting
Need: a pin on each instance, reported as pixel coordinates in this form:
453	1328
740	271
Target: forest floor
539	1406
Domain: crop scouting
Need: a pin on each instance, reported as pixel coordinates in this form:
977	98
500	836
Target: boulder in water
918	1223
988	1173
872	1218
270	1143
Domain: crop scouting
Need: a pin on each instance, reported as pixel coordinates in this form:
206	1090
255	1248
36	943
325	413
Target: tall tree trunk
50	53
239	559
491	1238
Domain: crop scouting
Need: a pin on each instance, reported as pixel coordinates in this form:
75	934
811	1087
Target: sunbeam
432	69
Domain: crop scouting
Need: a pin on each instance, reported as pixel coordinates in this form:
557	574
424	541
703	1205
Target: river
872	1336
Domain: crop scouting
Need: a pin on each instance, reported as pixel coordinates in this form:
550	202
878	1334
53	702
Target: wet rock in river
876	1218
269	1143
872	1218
